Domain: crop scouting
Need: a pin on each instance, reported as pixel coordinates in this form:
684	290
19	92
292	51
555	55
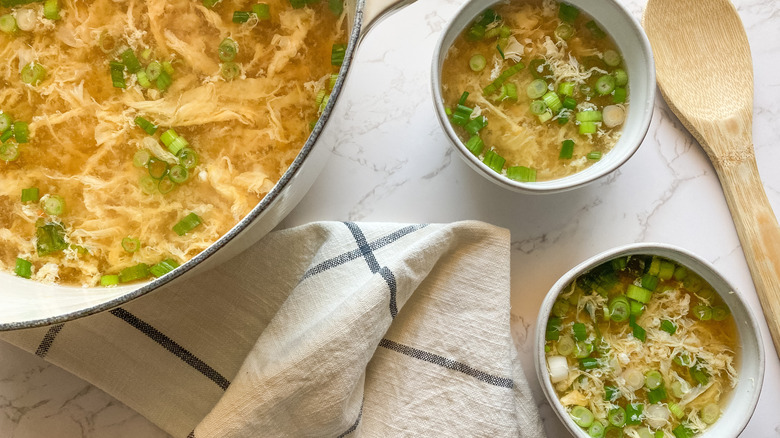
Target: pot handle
375	10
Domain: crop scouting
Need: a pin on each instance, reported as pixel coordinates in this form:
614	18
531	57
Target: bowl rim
751	328
576	179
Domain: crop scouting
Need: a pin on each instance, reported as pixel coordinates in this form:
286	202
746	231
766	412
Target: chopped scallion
582	416
141	158
177	145
261	11
580	331
668	326
33	73
521	174
23	268
336	6
477	62
499	81
8	24
567	12
611	58
553	101
587	128
605	85
133	273
494	161
153	70
117	74
53	205
30	195
619	309
143	79
50	238
21	132
564	31
109	280
475	145
595	30
164	80
5	122
230	71
187	224
188	158
51	9
165	185
297	4
475	125
9	151
588	363
168	136
702	312
536	88
638	293
178	174
634	413
146	125
157	168
621	77
130	61
241	16
567	150
163	267
131	244
337	54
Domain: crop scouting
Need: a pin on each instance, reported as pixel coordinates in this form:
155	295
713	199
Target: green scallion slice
33	73
567	12
637	331
634	413
141	158
230	70
241	16
261	11
668	326
462	115
168	136
109	280
564	31
143	79
621	77
611	393
582	416
336	6
503	77
589	116
146	125
567	150
51	9
710	413
653	379
702	312
649	282
297	4
637	308
157	168
163	267
580	331
30	195
187	224
657	395
596	430
553	101
227	50
131	244
587	128
5	122
638	293
565	345
619	309
676	410
337	53
605	85
153	70
682	431
177	145
53	205
178	173
164	80
475	125
521	174
130	61
8	24
611	58
494	161
588	363
133	273
475	145
595	30
477	62
23	268
720	313
188	158
148	184
165	185
566	88
117	74
50	238
21	132
536	89
538	107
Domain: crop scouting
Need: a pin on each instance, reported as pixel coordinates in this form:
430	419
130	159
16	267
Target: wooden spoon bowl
705	73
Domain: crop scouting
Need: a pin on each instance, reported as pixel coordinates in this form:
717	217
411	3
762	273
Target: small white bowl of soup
542	96
648	340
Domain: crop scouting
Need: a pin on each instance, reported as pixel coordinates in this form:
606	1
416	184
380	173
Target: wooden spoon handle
759	233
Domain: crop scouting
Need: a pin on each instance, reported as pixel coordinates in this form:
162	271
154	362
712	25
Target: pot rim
240	226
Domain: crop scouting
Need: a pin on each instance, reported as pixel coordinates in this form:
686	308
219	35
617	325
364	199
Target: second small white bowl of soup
648	341
540	96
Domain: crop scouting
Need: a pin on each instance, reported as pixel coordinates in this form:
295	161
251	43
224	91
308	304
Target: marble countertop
391	162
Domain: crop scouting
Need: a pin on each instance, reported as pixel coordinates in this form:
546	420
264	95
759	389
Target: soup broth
643	347
547	92
153	127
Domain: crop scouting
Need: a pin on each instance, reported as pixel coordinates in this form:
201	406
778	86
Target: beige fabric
330	329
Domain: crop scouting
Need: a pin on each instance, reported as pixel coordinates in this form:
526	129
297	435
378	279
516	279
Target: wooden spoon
705	73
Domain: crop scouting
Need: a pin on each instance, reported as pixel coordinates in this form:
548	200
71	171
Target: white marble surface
391	162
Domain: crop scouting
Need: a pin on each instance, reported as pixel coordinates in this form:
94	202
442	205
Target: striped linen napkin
329	329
